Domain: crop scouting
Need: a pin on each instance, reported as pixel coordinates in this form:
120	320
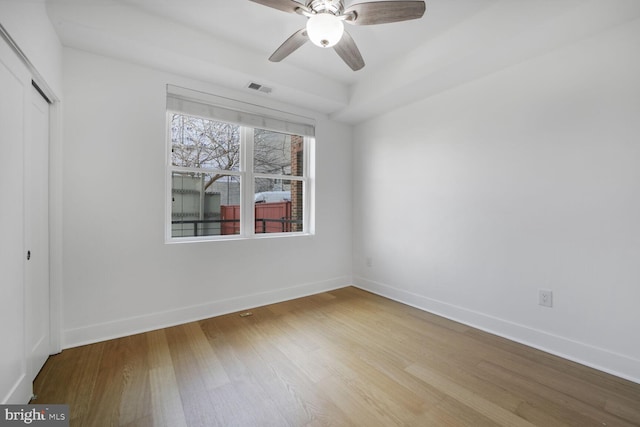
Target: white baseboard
134	325
598	358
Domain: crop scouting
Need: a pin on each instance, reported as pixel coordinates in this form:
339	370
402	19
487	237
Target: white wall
28	25
470	201
119	275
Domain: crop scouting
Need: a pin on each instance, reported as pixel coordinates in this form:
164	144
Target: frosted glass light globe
325	29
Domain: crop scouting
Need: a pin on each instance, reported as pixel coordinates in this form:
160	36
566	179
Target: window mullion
309	173
167	182
283	177
204	170
247	212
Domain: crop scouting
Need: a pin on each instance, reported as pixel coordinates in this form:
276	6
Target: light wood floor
339	358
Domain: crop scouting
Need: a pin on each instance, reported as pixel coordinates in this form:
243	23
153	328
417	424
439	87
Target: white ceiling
227	42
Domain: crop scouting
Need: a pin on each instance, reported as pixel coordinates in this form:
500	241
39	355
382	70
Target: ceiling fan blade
348	51
383	12
296	40
290	6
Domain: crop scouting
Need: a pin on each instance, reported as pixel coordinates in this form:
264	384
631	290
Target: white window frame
246	174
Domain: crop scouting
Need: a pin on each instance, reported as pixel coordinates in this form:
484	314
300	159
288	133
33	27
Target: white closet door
15	87
37	234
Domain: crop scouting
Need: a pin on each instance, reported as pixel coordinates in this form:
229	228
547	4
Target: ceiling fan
325	24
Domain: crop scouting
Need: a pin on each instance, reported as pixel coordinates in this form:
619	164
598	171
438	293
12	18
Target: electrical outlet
545	298
368	261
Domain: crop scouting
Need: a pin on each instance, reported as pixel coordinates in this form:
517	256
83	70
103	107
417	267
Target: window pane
277	153
202	143
204	204
278	205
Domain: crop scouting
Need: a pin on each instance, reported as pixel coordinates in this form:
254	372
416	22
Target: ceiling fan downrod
335	7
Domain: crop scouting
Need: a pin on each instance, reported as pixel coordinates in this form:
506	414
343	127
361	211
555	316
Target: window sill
235	237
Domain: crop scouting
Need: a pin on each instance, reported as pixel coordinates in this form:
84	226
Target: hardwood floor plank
209	366
382	395
359	410
490	410
166	404
70	377
539	412
562	406
624	408
135	404
611	383
104	406
165	398
309	366
452	412
246	366
191	377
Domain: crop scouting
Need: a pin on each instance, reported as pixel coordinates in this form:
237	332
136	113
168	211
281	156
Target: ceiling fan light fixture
325	29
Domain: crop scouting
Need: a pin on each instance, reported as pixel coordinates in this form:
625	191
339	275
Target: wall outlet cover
545	298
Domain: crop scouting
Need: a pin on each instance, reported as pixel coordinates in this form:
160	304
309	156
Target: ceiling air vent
259	87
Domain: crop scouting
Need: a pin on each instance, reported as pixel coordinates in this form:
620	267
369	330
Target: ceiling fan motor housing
335	7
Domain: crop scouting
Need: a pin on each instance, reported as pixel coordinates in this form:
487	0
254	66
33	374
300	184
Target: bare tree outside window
202	143
271	152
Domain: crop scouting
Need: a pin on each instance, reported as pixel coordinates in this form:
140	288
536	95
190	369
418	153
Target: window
233	173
